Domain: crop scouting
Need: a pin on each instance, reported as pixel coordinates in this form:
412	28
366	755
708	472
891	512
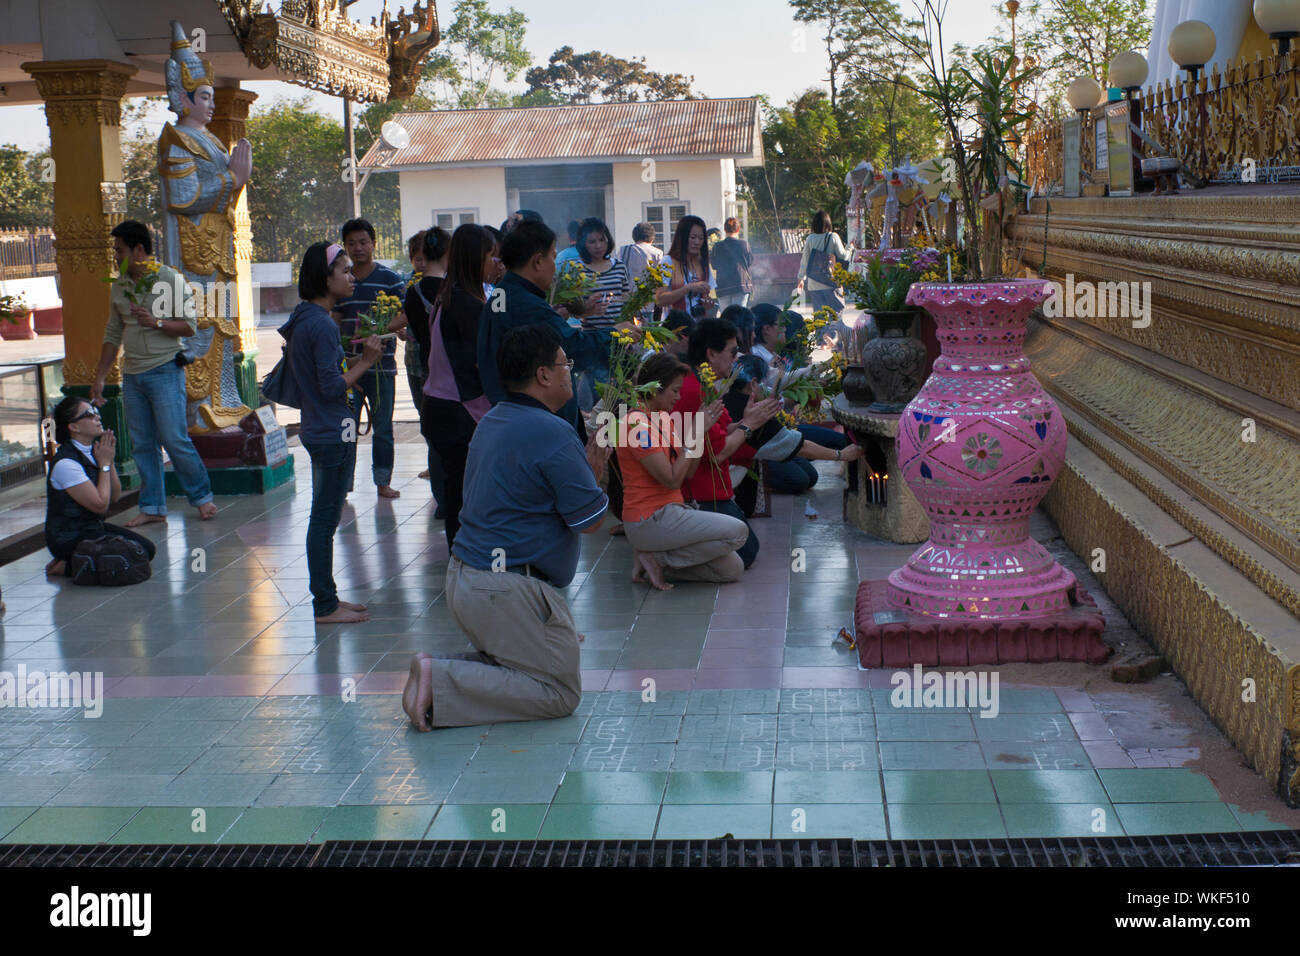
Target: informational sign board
1103	141
1073	166
667	189
1120	147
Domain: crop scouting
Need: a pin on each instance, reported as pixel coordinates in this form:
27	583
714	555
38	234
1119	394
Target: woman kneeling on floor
668	536
82	485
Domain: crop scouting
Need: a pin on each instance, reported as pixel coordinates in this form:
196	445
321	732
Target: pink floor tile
754	656
234	685
1090	726
738	678
678	679
321	685
382	682
748	637
595	680
744	620
1076	701
824	677
147	686
1107	755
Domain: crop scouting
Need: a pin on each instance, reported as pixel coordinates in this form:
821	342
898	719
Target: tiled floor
230	716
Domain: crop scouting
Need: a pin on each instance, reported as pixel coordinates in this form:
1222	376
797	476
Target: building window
664	216
449	219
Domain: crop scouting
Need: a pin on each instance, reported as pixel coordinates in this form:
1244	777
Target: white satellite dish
394	135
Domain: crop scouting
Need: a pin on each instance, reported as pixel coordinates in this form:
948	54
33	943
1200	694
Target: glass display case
50	369
21	411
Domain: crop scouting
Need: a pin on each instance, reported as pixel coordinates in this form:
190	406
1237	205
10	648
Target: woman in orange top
668	536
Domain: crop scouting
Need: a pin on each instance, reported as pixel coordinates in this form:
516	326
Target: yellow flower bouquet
137	289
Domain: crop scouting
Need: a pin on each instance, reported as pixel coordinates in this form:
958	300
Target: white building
624	162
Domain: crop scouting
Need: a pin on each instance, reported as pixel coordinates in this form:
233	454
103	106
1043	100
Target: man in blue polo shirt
530	490
528	253
372	279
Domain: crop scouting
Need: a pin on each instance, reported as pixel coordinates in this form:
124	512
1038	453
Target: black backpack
110	560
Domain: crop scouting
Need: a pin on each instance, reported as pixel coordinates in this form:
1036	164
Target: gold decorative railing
1240	125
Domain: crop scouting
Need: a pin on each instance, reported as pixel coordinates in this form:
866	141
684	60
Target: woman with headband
314	356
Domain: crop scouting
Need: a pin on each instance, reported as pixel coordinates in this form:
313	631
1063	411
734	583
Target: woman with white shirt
821	251
690	284
82	484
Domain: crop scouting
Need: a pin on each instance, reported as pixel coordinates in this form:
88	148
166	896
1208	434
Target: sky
731	47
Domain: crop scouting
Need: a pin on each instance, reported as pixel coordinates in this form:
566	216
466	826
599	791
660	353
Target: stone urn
894	362
980	446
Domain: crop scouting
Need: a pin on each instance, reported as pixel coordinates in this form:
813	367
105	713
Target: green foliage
298	194
26	200
595	77
479	48
994	106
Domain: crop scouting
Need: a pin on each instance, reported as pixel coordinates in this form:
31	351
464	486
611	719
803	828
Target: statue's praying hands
241	162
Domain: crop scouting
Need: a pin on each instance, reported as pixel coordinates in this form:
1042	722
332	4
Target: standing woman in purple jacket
314	355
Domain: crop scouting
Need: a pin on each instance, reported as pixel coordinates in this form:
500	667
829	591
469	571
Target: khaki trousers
527	665
692	545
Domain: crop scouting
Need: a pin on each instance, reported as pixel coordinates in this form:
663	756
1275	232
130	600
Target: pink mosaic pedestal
979	446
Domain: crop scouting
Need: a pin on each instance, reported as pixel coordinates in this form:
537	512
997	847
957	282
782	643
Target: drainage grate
159	855
1256	848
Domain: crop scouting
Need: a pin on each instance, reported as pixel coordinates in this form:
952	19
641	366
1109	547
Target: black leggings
448	428
63	552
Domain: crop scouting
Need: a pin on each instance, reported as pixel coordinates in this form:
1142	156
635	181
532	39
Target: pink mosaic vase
979	446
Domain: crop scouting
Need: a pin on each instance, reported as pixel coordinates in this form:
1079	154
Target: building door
558	206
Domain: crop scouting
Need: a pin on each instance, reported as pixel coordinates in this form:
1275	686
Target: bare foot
352	607
343	615
143	518
207	511
423	474
638	573
581	638
388	491
653	571
56	568
417	696
617	529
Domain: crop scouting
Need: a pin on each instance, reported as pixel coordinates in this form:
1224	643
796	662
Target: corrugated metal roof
703	128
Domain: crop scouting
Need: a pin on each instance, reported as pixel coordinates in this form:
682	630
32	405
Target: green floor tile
504	821
288	825
951	821
1024	727
1013	700
925	727
930	755
938	786
1140	818
1029	820
712	821
1258	821
10	817
628	821
612	788
71	825
827	787
1048	786
1041	755
498	787
376	823
1158	785
521	758
177	825
855	821
712	787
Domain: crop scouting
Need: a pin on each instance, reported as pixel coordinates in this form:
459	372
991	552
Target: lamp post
1191	45
1280	19
1083	95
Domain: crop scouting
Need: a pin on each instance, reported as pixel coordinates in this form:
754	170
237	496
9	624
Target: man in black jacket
732	260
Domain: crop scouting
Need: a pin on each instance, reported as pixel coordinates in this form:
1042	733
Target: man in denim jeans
153	378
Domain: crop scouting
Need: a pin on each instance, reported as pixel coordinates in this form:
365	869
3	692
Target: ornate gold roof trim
325	50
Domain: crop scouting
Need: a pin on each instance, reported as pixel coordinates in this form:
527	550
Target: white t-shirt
67	473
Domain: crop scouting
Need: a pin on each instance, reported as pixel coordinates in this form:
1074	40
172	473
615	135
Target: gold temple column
83	106
228	124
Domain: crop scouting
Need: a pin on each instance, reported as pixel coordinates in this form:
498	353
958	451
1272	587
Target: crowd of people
504	382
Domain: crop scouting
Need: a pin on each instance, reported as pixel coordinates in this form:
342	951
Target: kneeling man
530	489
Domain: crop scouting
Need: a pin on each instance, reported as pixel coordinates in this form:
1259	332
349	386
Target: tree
478	48
26	188
1072	38
593	76
140	162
